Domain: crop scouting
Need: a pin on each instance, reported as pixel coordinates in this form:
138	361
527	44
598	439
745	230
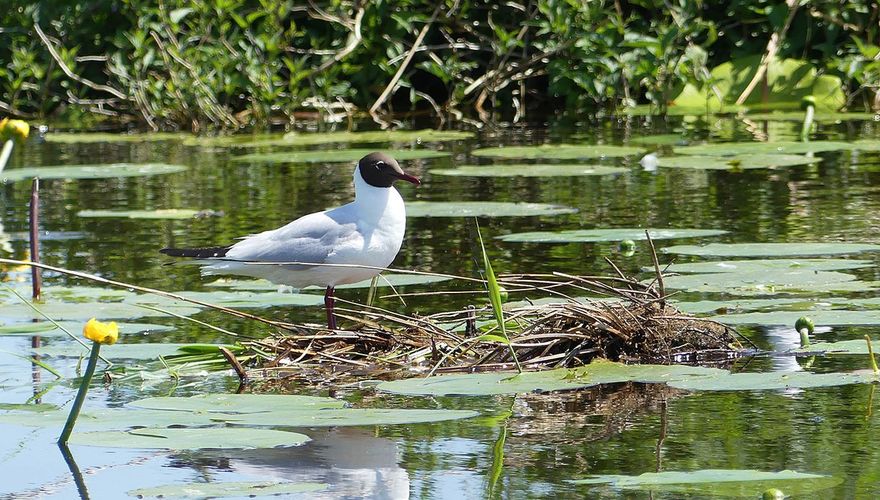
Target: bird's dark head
381	170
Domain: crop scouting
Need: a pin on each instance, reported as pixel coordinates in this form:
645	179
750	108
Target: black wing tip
199	253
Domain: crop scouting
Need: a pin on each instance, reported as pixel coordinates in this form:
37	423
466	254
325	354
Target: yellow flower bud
14	129
102	333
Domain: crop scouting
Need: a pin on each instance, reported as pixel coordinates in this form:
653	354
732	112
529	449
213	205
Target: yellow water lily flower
102	333
14	129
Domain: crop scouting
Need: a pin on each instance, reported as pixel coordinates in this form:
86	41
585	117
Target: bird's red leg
328	305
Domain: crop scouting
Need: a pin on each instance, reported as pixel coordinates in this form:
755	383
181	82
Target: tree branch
70	74
393	83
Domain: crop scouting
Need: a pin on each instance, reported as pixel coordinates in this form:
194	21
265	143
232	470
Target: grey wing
311	239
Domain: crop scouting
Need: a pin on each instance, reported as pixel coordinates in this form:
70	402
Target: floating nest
626	320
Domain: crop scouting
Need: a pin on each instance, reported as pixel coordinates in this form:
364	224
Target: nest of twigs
628	320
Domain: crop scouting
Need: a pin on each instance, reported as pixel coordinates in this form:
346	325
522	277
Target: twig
660	288
239	370
70	74
772	47
36	276
393	83
353	41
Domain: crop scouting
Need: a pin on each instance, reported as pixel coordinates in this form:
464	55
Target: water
626	429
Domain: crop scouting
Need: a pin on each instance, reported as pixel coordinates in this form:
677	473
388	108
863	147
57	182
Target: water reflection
353	461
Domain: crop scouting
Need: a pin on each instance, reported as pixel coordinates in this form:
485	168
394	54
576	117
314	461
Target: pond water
521	446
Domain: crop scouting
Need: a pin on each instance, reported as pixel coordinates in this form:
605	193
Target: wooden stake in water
36	276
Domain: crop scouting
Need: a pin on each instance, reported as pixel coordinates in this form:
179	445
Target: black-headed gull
346	244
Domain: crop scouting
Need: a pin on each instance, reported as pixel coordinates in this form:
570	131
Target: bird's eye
380	163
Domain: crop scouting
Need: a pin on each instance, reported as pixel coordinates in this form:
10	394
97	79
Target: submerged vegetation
177	64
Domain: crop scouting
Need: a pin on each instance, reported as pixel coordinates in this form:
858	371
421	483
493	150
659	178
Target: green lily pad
24	407
70	311
763	282
528	170
596	373
765	265
332	417
316	138
115	351
771	381
661	140
106	419
227	489
617	234
827	317
717	482
239	403
755	148
191	439
819	116
736	162
164	213
47	329
482	209
385	280
238	299
108	171
271	410
335	156
855	346
559	151
95	137
736	306
771	249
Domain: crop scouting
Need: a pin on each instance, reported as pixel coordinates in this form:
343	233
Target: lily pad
107	171
596	373
227	489
661	140
717	482
385	280
528	170
736	306
164	213
855	346
771	381
559	151
736	162
242	299
617	234
754	148
482	209
316	138
47	329
105	419
332	417
84	311
191	439
771	249
25	407
765	265
763	282
115	351
335	156
95	137
239	403
827	317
